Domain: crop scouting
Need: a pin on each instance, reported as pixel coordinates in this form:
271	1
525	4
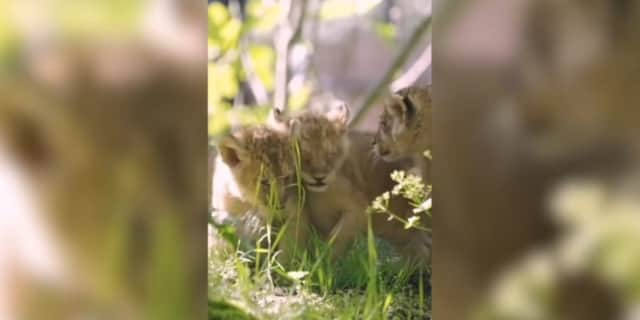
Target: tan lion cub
342	180
414	244
405	128
334	204
254	173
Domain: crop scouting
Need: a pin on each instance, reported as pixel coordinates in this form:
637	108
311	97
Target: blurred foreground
538	168
102	160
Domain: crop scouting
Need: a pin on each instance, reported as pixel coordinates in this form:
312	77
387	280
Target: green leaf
224	30
263	60
223	81
230	34
263	16
218	122
340	9
299	98
218	14
253	115
386	31
387	303
228	232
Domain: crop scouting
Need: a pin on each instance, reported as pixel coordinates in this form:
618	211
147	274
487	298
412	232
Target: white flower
423	207
411	222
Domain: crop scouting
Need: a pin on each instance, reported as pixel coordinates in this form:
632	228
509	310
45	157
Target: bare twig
286	36
302	15
257	88
413	73
399	61
313	37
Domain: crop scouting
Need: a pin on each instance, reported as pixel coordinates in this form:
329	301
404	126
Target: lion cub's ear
338	112
231	150
394	105
401	106
278	121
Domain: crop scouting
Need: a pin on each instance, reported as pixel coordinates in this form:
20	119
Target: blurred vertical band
103	159
537	184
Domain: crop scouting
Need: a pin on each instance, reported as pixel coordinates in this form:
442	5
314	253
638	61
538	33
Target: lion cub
334	205
405	129
254	173
342	180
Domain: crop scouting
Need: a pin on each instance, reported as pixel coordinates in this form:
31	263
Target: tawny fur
412	243
254	174
339	211
405	129
323	146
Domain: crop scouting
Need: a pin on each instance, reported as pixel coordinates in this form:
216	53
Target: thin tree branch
286	36
399	61
297	31
257	88
313	37
414	72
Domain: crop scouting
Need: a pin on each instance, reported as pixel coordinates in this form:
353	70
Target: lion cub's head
321	135
261	161
405	124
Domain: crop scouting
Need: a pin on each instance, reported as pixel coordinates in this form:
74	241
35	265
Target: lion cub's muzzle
316	182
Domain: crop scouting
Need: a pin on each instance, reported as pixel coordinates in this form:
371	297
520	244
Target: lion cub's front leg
339	214
294	233
350	225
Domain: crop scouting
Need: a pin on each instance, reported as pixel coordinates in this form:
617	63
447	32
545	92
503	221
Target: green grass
369	282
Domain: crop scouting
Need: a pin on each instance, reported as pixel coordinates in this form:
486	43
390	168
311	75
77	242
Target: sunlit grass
358	286
368	282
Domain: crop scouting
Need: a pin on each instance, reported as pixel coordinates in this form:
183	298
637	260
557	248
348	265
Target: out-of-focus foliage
340	9
386	31
262	17
223	74
233	60
224	30
263	59
602	240
86	18
299	99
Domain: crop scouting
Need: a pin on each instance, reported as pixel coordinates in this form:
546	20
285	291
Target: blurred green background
266	53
